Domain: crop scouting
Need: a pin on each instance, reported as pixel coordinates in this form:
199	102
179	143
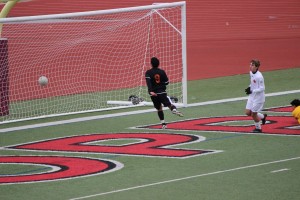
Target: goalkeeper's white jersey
257	86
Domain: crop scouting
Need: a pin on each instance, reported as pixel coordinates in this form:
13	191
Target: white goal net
92	60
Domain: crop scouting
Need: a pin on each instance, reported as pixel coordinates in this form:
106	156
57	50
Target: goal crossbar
91	13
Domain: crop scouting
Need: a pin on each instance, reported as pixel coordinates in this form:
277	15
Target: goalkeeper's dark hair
255	62
295	102
154	62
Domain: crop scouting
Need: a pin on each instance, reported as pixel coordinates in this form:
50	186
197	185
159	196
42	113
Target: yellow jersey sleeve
296	113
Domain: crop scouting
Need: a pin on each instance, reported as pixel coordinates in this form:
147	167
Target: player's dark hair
255	62
154	62
295	102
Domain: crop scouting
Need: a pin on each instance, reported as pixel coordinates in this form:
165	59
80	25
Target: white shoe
164	126
178	113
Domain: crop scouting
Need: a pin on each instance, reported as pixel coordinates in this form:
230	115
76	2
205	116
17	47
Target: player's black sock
161	115
172	107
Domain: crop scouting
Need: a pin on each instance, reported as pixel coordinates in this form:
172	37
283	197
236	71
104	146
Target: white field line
131	113
185	178
242	98
280	170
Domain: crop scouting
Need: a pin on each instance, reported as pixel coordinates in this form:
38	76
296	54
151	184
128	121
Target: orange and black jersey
156	80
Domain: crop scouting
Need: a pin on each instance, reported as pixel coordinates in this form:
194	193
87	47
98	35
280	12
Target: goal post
4	81
92	60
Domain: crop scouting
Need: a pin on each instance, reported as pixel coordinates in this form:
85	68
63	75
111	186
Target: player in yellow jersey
296	111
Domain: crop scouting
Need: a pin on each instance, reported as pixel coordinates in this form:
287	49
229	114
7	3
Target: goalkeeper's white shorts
253	106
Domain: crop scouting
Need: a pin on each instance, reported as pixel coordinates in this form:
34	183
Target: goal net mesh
88	60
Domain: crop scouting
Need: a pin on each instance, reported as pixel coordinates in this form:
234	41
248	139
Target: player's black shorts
161	99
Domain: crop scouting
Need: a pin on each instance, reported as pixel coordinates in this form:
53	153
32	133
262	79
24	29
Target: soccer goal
73	63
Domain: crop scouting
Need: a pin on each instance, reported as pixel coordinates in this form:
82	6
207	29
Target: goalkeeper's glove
248	90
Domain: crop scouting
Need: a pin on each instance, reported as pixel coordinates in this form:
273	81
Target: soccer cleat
178	113
257	130
263	120
164	126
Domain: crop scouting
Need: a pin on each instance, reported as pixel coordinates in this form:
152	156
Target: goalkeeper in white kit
256	100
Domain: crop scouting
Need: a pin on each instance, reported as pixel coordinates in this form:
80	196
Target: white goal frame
122	104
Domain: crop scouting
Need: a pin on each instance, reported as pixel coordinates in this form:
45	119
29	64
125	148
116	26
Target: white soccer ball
43	80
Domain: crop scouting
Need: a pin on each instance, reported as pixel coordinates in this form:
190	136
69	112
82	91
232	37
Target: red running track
222	36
